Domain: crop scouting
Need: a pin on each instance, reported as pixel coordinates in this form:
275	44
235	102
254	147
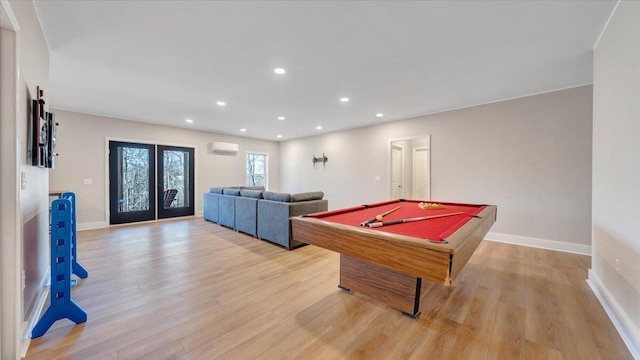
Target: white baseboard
540	243
36	313
92	225
104	224
629	333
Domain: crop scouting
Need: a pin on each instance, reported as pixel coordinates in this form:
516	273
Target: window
257	169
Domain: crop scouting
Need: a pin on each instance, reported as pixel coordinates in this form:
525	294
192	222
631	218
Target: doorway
410	168
134	171
421	176
397	171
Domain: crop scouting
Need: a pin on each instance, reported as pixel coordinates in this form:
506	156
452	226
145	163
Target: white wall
34	207
616	170
81	145
9	225
32	237
531	157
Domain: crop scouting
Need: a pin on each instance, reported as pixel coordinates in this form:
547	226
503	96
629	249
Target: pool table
389	263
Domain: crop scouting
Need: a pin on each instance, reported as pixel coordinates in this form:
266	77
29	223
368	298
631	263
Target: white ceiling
166	61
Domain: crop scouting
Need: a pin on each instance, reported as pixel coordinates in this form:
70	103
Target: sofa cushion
257	194
210	207
307	196
216	190
246	215
227	211
231	192
261	188
273	196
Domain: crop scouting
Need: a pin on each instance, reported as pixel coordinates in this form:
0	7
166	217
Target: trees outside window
257	169
133	187
176	175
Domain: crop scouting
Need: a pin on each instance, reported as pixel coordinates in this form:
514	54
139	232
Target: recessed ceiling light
379	115
280	117
279	71
189	120
243	129
278	136
318	127
221	103
344	99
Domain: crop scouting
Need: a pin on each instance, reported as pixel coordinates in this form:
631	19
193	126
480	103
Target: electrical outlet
24	279
618	266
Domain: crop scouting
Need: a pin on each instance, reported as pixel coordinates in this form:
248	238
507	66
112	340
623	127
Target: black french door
132	182
133	175
175	181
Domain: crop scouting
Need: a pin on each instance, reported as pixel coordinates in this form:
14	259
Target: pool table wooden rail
436	262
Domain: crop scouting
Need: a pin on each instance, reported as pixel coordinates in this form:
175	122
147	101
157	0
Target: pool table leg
396	289
414	316
416	303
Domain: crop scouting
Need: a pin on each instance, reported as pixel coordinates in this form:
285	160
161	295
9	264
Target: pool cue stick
364	223
402	221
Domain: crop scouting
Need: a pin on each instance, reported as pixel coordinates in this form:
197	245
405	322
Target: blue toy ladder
62	262
76	268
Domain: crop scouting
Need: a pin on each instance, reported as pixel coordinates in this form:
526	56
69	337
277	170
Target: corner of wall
630	335
35	314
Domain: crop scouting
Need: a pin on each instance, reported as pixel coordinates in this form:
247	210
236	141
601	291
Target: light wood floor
190	289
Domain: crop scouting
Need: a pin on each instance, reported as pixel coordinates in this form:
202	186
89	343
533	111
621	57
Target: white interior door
397	172
421	175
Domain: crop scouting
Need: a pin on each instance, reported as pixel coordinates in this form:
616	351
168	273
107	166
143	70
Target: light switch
88	181
23	180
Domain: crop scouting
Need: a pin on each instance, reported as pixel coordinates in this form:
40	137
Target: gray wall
616	166
81	145
530	156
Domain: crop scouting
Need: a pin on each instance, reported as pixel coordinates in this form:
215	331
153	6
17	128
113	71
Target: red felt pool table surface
436	230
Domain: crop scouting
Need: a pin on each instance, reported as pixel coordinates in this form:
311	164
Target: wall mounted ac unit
223	148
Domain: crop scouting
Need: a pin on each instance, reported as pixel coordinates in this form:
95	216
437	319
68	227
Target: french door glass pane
176	176
133	184
132	179
175	181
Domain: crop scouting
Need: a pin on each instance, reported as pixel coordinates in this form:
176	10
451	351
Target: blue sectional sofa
263	214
